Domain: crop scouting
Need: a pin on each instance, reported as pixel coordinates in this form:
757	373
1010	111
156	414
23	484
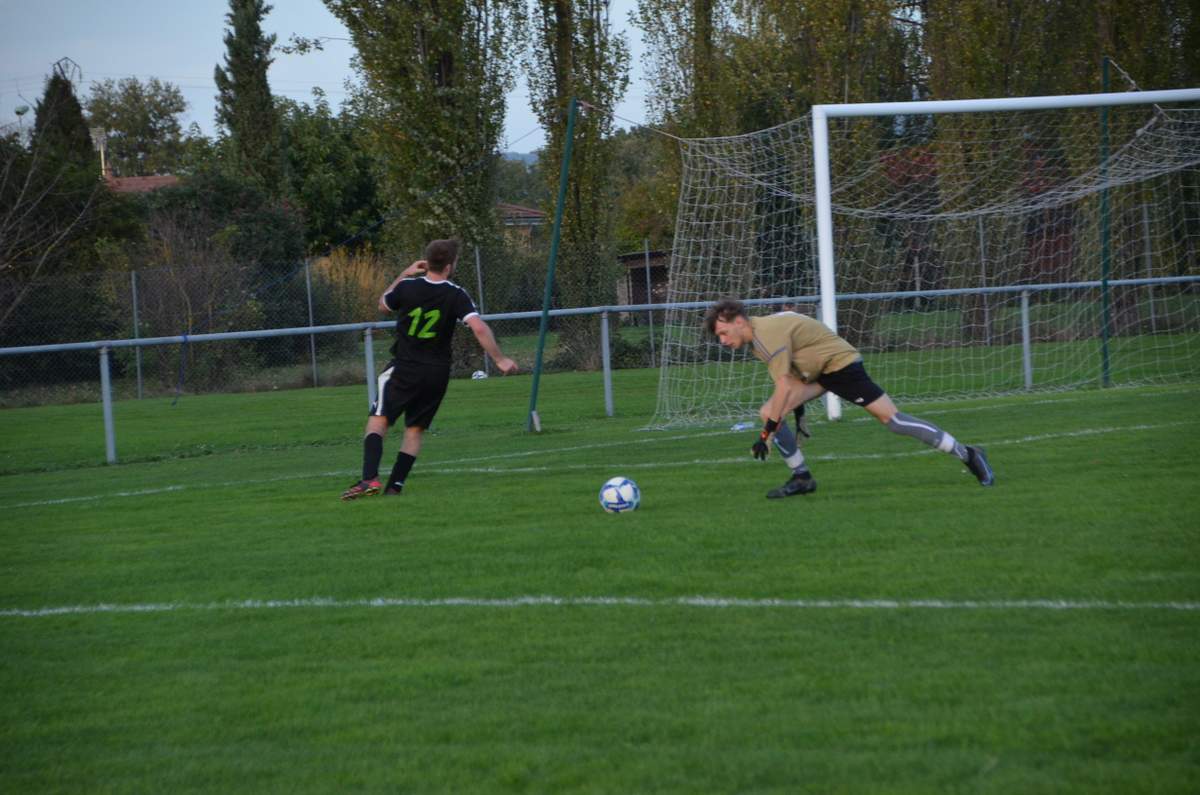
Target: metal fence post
1026	346
369	352
137	352
110	436
606	358
312	338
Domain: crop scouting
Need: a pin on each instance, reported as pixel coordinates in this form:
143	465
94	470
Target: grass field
207	616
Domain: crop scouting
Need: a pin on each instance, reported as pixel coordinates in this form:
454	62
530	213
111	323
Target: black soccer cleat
393	490
798	484
363	488
978	464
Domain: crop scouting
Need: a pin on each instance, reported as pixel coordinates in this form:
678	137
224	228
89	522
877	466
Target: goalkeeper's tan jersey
793	343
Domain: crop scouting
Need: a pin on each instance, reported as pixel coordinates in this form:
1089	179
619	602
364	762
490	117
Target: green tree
198	152
722	68
46	208
57	219
576	54
980	48
261	233
684	40
719	67
519	182
245	108
59	128
330	175
644	195
142	124
977	48
434	77
256	242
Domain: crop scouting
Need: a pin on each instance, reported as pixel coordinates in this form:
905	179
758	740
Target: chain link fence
343	288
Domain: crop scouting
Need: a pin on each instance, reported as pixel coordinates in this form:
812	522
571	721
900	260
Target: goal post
958	244
824	205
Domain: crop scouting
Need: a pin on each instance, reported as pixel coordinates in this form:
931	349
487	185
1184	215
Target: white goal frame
823	201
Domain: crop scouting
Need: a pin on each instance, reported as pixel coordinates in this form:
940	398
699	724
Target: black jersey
428	313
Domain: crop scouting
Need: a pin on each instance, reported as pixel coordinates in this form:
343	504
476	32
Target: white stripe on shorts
379	392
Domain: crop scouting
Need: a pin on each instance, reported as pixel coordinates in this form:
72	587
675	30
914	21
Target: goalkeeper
805	360
429	306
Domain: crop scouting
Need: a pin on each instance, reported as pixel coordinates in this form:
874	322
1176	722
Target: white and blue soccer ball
478	375
620	494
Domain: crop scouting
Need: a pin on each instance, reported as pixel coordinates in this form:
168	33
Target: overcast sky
181	41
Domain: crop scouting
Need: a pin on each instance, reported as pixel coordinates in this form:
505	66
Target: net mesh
949	230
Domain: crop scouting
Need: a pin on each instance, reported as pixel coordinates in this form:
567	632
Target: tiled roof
515	213
141	184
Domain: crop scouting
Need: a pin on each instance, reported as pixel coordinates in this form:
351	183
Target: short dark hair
725	310
441	253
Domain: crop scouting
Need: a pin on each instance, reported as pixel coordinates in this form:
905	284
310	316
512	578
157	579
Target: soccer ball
620	494
478	375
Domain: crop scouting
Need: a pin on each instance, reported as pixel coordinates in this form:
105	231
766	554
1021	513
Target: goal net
975	254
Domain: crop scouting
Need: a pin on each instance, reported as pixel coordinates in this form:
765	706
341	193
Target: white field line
188	487
444	469
609	601
825	457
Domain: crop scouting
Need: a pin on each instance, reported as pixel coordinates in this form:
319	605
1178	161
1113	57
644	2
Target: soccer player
806	359
429	306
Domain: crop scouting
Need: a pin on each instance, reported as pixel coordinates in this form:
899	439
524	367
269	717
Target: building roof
516	215
141	184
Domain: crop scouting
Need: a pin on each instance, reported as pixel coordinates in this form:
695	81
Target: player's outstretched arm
487	341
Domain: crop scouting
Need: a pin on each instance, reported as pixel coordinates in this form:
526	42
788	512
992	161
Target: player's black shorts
413	390
852	384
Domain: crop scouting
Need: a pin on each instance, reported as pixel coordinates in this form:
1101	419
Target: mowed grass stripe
604	601
443	469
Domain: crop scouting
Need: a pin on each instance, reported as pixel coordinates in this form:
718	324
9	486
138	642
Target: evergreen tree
56	218
245	108
59	127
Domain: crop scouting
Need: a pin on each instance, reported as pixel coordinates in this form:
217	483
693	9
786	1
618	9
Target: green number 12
431	317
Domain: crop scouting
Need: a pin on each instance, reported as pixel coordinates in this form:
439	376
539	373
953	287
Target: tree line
412	153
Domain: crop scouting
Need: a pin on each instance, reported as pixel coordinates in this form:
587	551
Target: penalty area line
702	602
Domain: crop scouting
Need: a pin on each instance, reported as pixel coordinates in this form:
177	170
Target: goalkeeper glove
760	448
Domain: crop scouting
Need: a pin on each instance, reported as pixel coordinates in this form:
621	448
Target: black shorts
852	384
412	390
